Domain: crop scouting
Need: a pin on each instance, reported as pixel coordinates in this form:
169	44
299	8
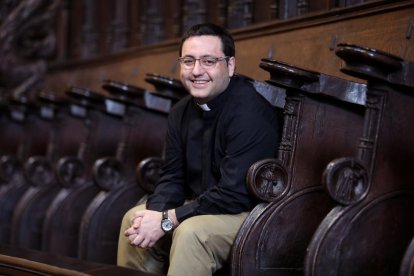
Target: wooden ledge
20	261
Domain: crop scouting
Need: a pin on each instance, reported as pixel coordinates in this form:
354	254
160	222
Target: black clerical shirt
208	153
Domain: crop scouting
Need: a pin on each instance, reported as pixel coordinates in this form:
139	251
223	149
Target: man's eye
209	61
188	61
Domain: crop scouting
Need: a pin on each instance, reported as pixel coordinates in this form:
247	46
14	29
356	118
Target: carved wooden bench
35	125
323	117
60	228
147	116
28	217
369	230
13	147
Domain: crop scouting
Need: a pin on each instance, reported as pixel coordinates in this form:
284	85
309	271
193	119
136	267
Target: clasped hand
146	228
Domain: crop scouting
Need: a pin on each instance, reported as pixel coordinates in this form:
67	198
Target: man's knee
191	228
127	218
205	229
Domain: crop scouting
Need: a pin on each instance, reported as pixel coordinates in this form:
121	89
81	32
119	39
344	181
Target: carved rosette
108	173
70	171
148	172
346	180
39	171
267	180
9	166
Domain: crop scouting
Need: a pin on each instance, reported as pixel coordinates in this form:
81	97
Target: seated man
214	135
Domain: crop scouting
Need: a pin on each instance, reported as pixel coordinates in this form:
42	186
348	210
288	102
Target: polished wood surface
18	261
319	109
308	42
372	225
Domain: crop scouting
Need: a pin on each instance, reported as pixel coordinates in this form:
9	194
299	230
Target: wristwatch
166	222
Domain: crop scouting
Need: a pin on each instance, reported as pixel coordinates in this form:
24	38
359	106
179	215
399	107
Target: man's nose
198	68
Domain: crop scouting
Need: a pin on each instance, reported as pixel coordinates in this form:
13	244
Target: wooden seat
144	133
10	142
33	132
28	217
323	118
369	230
60	228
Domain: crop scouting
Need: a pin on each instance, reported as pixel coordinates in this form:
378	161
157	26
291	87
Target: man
214	135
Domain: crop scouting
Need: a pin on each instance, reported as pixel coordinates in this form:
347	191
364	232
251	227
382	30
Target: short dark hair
227	40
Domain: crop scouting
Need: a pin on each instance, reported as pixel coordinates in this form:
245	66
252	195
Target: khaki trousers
200	245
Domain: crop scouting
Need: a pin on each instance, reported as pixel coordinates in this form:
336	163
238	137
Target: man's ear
231	64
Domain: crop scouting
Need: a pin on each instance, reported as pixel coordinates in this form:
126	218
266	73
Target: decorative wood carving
376	186
115	175
27	39
119	28
60	228
240	13
89	33
303	7
319	109
194	12
152	28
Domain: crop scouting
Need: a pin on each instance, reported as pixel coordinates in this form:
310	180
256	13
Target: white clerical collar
204	107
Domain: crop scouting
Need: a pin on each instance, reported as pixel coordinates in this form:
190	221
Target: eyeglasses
205	62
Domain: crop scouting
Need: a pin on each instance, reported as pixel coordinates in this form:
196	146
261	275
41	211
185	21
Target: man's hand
146	228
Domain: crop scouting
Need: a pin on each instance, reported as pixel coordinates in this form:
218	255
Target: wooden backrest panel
372	225
30	211
99	229
62	218
323	118
35	138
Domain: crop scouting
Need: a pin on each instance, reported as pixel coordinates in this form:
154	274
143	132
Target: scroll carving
108	173
70	171
9	166
346	180
267	180
148	172
39	171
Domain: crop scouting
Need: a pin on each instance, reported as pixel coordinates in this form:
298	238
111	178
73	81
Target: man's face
204	84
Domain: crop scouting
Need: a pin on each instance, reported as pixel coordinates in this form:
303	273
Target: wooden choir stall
82	131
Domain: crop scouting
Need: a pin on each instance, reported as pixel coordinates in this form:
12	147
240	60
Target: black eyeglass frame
201	61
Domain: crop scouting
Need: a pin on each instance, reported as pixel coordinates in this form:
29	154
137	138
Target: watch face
166	225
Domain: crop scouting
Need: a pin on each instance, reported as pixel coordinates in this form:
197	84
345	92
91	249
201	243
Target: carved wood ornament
27	39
